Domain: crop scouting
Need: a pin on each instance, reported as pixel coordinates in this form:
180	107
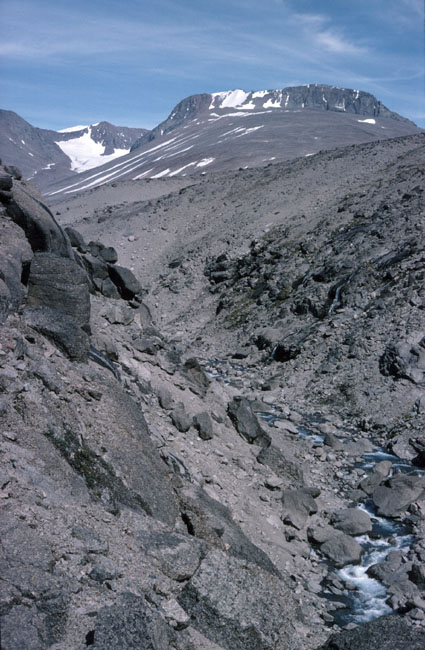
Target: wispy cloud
318	30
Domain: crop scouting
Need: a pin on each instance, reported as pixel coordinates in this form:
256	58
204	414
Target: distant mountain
237	129
45	155
312	96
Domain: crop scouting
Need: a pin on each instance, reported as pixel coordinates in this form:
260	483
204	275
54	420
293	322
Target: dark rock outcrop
385	633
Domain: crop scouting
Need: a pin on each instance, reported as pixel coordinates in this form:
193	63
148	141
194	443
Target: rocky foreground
195	484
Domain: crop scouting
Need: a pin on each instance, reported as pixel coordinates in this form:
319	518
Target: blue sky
77	62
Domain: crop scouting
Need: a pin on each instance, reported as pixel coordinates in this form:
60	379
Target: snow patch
251	130
74	128
160	174
369	120
136	178
271	104
229	99
85	153
205	161
23	141
177	171
249	106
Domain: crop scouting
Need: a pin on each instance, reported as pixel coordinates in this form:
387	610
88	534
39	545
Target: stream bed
364	598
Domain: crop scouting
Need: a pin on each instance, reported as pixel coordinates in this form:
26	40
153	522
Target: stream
364	598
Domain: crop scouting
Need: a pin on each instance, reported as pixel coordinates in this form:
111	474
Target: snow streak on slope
71	129
85	153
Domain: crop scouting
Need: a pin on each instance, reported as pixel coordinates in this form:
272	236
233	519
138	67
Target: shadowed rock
385	633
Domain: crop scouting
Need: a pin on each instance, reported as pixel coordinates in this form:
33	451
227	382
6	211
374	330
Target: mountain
212	407
236	129
45	156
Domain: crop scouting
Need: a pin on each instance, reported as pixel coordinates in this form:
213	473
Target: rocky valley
212	406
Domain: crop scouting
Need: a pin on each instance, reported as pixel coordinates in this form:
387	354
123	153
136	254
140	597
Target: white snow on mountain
85	153
369	120
228	99
74	128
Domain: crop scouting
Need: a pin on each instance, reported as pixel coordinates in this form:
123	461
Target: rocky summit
212	403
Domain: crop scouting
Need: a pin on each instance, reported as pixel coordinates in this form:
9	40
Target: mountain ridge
46	154
316	96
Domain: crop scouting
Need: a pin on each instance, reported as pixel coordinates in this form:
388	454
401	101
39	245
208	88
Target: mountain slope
237	129
45	155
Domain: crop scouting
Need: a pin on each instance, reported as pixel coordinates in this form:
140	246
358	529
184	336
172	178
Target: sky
68	62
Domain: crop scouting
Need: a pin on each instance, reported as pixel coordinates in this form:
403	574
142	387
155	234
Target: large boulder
376	477
58	283
352	521
298	505
394	498
405	360
61	329
246	423
125	281
59	303
342	549
239	606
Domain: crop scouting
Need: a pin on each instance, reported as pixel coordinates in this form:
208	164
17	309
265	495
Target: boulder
130	623
352	521
180	418
392	569
179	556
246	423
104	569
59	284
196	375
125	281
394	498
109	289
405	360
239	606
146	345
61	330
76	239
320	533
203	424
376	476
298	505
109	254
96	268
341	550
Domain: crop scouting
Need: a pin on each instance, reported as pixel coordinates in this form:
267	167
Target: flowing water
364	597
